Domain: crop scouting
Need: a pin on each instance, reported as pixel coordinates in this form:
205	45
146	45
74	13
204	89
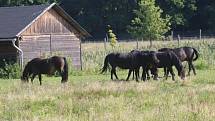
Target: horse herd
151	61
134	60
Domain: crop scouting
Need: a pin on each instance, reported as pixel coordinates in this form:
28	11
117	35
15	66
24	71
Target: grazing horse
129	61
49	66
145	63
185	54
167	60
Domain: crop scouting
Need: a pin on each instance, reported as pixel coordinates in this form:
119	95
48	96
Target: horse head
181	73
24	77
26	73
153	57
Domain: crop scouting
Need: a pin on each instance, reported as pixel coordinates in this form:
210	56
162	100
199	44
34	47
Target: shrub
10	71
112	38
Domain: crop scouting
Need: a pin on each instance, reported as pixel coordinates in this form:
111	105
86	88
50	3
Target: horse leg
172	73
63	76
194	70
148	75
32	78
190	66
129	73
165	71
114	72
137	74
133	72
40	79
155	73
144	74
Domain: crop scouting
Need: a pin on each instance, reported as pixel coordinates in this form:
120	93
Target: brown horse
49	66
188	54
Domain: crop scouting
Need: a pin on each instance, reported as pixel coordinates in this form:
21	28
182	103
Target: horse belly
164	62
51	70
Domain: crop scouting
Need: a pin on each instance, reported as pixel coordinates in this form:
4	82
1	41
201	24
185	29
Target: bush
10	71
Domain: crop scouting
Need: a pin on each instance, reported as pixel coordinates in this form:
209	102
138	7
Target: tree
181	12
112	37
25	2
205	16
95	15
148	23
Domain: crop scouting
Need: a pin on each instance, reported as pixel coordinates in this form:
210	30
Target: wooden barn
27	32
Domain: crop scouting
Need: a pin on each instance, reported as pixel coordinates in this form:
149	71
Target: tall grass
94	53
92	98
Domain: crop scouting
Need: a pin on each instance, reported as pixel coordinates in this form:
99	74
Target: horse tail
105	67
65	68
196	53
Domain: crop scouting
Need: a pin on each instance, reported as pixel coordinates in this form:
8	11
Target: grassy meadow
90	96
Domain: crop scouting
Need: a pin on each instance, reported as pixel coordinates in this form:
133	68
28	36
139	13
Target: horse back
165	58
122	60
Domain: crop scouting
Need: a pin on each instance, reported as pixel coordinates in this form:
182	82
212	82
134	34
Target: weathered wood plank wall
51	34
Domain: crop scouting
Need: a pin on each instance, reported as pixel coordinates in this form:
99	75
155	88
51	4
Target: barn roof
15	20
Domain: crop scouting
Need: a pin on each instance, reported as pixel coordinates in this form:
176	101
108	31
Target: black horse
131	61
145	63
185	54
167	60
49	66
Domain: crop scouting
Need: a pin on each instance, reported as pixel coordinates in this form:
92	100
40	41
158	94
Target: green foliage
148	23
95	14
10	71
181	11
25	2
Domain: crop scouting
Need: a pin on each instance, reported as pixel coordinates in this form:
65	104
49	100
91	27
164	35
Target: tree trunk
150	42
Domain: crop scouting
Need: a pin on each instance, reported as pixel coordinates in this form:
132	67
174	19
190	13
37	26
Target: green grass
96	97
90	96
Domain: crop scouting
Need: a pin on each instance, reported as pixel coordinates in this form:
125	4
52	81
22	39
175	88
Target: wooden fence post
105	45
137	46
200	34
172	35
179	40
